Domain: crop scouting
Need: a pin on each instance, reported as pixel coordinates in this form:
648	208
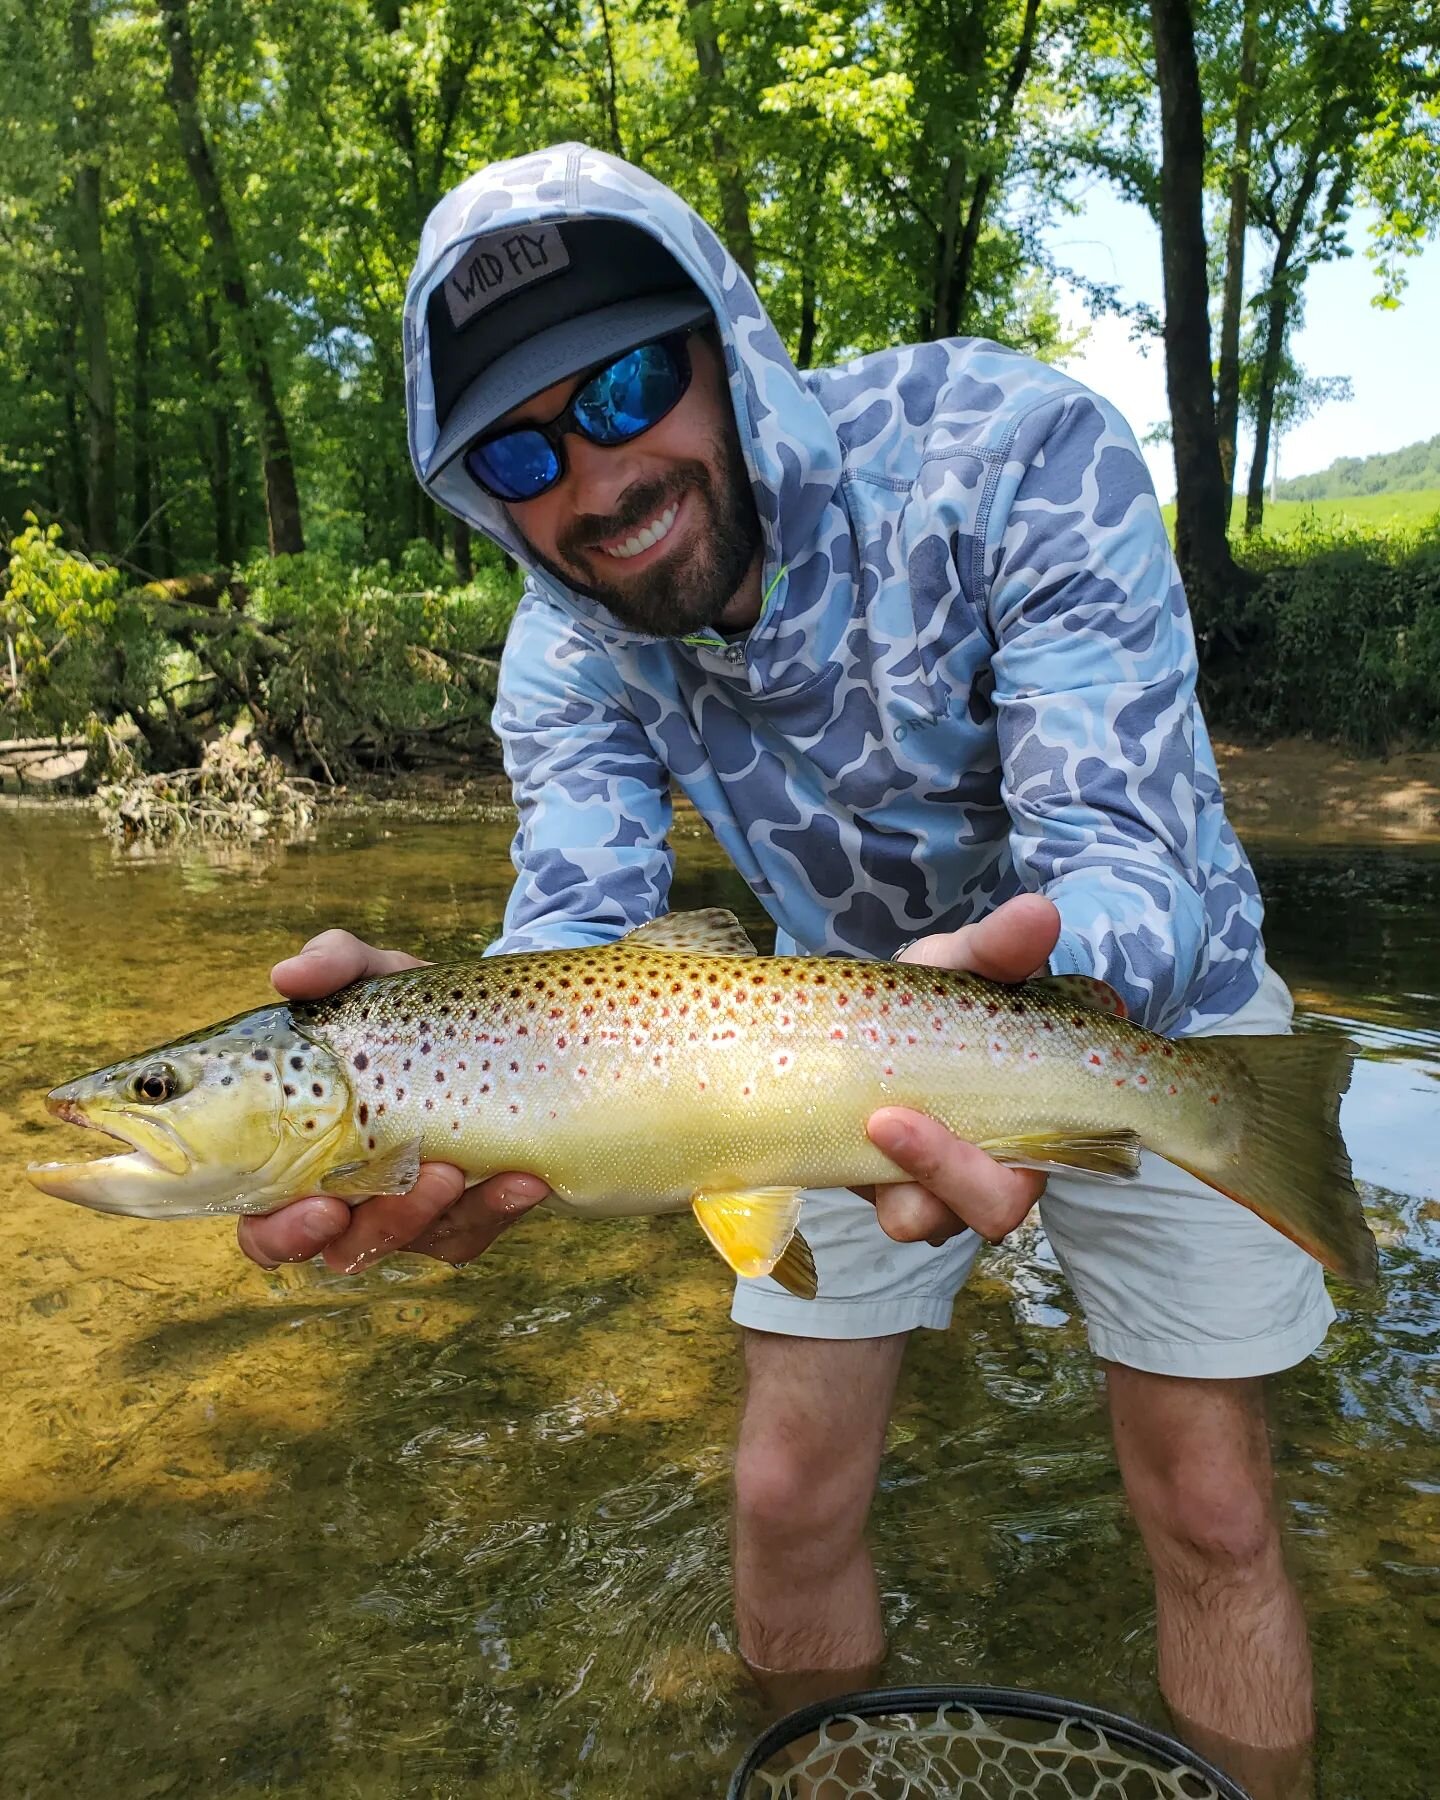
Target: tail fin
1291	1166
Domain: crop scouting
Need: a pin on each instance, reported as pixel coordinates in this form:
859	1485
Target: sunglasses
616	403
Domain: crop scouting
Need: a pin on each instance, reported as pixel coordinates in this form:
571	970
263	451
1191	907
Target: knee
1211	1529
796	1495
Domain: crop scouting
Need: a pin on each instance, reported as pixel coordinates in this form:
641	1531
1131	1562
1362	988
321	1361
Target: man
909	634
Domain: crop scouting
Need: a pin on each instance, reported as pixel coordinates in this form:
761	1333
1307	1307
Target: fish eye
154	1083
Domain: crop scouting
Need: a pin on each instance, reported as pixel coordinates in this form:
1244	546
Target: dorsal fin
1082	990
710	932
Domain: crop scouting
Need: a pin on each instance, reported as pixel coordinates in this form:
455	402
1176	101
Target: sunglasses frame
554	431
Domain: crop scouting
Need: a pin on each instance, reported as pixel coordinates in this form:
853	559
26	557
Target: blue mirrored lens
517	466
631	395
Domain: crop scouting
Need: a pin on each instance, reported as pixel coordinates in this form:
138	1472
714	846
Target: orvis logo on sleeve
499	265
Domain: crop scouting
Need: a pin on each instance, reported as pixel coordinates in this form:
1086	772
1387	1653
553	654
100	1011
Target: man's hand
439	1217
955	1184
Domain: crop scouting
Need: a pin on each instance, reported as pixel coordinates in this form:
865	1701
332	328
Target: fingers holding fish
391	1222
1010	944
955	1183
333	960
469	1227
294	1233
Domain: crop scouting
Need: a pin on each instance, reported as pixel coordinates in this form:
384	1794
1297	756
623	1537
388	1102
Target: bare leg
809	1453
1233	1652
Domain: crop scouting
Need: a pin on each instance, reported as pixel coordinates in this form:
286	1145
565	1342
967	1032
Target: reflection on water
419	1533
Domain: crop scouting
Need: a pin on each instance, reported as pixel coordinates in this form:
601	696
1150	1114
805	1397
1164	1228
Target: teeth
650	534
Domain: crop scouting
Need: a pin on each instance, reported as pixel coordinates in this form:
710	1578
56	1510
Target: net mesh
954	1752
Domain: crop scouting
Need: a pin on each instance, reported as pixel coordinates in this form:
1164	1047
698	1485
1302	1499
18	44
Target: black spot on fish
297	1062
364	1113
258	1053
457	993
362	1061
267	1076
289	1091
316	1089
309	1124
424	1050
370	1142
439	1074
406	1063
225	1080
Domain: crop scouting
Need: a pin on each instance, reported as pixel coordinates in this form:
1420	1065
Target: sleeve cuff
1071	955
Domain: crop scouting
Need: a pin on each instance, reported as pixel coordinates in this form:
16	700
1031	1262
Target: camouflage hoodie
973	675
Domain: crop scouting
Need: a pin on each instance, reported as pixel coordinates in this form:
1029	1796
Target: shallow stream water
422	1533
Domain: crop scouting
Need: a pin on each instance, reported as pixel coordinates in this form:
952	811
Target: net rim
1013	1703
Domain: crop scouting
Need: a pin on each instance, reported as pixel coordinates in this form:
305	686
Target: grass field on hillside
1374	514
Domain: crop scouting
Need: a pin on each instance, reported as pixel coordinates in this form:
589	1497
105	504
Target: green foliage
1407	471
340	669
1340	640
71	635
378	657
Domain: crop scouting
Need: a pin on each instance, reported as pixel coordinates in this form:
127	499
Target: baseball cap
526	307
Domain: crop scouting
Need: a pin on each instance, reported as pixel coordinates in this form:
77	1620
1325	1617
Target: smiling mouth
649	535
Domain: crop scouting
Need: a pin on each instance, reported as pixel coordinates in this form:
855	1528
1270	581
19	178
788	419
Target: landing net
970	1744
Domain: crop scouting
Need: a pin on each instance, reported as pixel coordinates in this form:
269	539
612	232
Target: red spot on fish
1214	1099
1096	1059
1172	1089
842	999
991	1008
560	1043
1119	1081
513	1107
582	1071
514	1068
557	1012
540	1068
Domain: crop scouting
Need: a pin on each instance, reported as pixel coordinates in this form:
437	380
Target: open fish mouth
151	1153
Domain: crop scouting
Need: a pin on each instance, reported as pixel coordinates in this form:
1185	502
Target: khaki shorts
1173	1278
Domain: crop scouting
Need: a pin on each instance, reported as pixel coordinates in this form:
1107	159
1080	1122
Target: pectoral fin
1112	1153
755	1233
393	1171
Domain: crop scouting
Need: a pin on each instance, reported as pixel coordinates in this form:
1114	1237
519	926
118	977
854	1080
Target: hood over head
463	354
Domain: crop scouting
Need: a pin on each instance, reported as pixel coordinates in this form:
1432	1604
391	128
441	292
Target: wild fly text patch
497	266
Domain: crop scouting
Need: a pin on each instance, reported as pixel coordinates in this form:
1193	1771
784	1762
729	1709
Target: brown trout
678	1069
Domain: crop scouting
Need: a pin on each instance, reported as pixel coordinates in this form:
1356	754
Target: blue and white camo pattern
974	675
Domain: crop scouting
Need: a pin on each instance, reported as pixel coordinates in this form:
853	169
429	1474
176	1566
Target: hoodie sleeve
591	853
1094	689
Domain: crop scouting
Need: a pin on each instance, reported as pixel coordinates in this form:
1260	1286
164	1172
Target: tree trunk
142	540
1227	397
1201	545
734	202
282	498
962	273
460	544
77	505
101	506
1276	319
218	457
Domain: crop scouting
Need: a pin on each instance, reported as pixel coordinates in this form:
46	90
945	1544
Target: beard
688	590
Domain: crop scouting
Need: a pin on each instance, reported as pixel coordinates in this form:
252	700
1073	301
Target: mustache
639	506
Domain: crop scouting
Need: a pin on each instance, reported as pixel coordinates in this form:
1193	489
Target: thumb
1010	944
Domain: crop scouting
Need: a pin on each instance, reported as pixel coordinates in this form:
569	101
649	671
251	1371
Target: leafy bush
341	669
1340	639
70	634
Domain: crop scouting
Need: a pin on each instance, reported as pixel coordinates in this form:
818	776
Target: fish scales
677	1068
627	1083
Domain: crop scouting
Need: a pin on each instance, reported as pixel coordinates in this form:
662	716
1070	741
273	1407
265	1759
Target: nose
64	1103
599	474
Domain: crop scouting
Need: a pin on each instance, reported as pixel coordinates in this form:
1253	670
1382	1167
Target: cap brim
564	349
